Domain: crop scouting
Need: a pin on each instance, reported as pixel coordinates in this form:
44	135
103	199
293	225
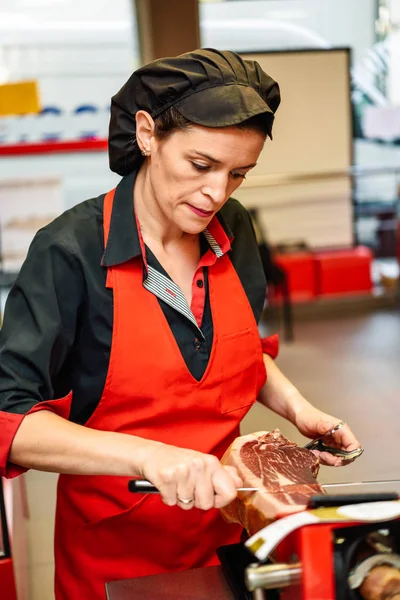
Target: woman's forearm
47	442
279	394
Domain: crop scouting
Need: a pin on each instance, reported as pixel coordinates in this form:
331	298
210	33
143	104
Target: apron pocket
240	363
108	514
95	498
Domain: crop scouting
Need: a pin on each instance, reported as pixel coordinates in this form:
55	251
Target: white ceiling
45	20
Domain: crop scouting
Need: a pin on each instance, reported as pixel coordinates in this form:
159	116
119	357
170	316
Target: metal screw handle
270	577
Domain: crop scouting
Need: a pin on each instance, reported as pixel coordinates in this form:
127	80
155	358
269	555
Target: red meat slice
284	473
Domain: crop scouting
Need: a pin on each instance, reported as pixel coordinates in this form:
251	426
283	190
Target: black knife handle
342	499
141	486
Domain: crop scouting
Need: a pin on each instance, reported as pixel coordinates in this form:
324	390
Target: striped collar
166	290
124	239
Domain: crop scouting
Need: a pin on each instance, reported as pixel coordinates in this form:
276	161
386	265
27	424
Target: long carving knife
143	486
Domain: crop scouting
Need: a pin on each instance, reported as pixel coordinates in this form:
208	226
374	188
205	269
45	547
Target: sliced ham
381	583
284	473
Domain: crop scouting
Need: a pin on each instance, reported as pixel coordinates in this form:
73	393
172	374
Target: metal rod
271	577
315	176
355	483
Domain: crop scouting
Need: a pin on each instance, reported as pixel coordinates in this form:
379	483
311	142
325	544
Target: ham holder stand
343	547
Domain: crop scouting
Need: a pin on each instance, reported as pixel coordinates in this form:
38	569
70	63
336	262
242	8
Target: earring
145	153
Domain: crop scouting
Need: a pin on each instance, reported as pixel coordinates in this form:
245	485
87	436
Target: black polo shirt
58	320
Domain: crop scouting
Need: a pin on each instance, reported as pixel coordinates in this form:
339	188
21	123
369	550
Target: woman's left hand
314	423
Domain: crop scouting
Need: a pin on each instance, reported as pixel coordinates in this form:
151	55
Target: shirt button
197	344
199	283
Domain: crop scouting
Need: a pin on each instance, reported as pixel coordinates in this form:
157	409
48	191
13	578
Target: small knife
345	455
319	444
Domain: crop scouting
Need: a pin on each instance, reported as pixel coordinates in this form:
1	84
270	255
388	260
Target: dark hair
172	120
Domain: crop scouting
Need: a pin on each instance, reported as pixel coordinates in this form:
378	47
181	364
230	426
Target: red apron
103	532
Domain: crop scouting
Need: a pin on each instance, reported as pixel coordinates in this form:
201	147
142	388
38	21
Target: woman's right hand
182	474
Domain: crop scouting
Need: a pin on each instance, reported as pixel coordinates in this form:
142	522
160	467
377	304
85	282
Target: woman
130	344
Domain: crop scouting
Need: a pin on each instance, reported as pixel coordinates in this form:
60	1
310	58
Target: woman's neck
154	224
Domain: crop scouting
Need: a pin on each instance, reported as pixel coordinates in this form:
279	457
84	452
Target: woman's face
194	172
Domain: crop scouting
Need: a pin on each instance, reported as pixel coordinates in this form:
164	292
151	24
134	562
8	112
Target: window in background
80	53
248	25
371	28
265	25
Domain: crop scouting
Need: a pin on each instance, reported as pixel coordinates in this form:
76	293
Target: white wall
394	7
276	24
82	175
81	52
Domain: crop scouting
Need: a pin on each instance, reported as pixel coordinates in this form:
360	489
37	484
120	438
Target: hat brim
224	105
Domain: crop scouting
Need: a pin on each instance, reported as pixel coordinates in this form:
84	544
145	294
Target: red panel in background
325	273
343	271
7	581
300	271
313	546
93	145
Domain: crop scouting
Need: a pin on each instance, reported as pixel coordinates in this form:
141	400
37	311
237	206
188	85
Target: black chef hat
209	87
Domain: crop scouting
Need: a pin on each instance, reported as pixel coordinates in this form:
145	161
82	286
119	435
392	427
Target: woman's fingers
327	459
342	438
216	486
225	488
185	486
204	491
346	439
191	479
166	485
234	474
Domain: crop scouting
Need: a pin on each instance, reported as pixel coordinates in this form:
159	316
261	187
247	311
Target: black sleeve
39	323
245	254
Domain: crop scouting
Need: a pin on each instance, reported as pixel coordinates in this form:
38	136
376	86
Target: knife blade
142	486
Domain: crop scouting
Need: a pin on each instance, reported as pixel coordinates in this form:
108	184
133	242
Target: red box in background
300	271
7	582
343	271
